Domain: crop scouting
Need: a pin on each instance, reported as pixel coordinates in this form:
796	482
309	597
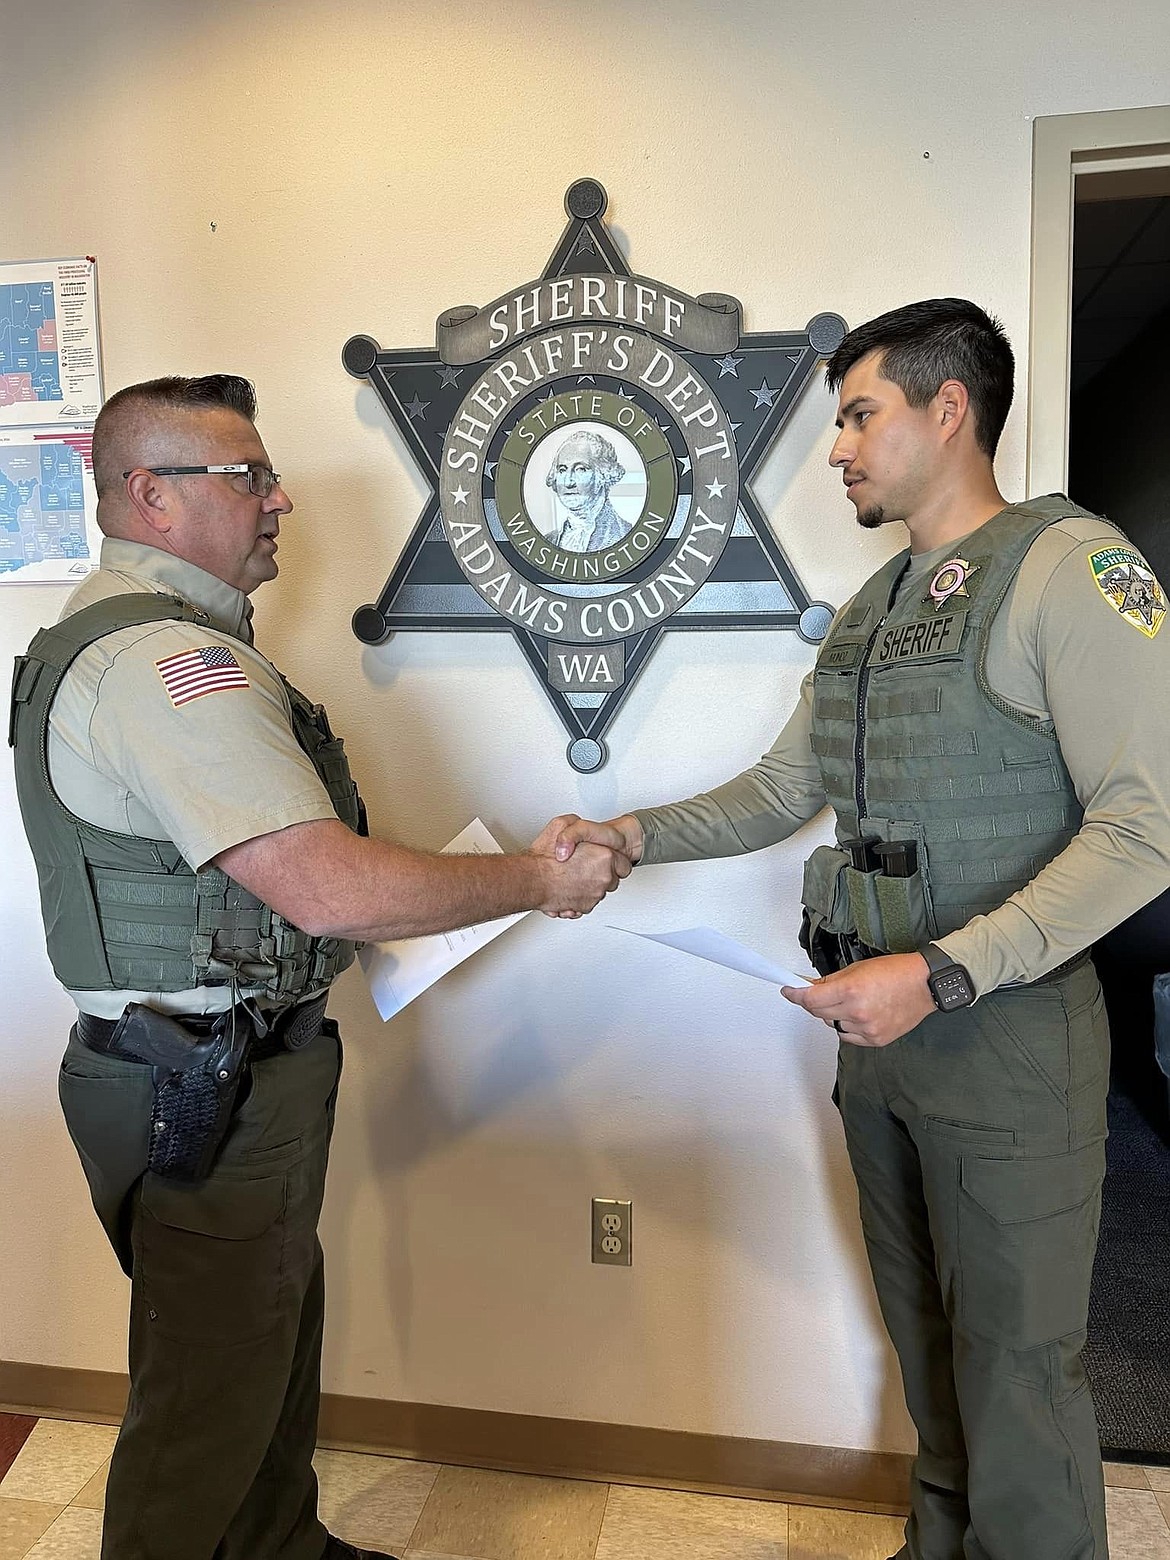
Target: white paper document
703	943
398	972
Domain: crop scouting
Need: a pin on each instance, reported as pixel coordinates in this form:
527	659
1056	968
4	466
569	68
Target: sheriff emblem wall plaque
589	440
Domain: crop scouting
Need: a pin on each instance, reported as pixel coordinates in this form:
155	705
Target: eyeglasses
261	479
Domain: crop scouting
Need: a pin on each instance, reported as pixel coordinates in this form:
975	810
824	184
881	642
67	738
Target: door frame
1065	147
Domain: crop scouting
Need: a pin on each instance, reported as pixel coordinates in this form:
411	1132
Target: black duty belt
1069	965
198	1065
287	1030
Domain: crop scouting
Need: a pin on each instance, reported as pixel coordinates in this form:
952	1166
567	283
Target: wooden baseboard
60	1393
529	1443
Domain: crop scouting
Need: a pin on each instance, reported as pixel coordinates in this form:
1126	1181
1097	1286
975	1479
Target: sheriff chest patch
1128	584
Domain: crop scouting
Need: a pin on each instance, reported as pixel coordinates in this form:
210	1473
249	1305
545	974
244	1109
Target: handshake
584	861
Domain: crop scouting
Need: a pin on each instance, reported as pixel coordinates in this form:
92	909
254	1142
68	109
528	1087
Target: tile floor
51	1499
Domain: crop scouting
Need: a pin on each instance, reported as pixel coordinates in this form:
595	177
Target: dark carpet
1128	1352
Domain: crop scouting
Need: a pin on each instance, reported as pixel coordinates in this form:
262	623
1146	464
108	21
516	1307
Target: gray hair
609	468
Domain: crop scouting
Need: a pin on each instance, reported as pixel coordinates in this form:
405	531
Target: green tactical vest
127	914
914	744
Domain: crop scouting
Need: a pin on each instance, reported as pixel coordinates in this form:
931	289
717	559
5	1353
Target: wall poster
50	393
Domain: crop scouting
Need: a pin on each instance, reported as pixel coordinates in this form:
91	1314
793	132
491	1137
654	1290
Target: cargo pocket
210	1257
1027	1232
1088	1048
106	1104
107	1112
287	1107
1032	1020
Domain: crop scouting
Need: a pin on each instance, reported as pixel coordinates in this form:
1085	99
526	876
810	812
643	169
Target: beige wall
260	182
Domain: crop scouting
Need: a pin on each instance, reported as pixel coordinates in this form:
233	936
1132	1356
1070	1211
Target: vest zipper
859	725
862	687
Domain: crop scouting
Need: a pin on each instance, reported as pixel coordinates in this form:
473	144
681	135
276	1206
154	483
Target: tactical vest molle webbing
127	914
913	743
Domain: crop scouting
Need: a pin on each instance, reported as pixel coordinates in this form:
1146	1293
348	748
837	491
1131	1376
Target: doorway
1119	365
1101	211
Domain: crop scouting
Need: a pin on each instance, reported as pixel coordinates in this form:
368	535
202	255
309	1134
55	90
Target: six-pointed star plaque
589	440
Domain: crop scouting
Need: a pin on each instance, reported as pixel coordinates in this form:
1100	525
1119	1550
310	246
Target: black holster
819	944
828	951
196	1080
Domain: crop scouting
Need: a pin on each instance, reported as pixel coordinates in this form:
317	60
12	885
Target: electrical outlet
612	1232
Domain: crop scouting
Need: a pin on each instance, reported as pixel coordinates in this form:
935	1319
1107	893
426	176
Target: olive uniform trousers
214	1458
978	1145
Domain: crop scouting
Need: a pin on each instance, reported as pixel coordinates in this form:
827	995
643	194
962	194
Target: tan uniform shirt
131	755
1060	650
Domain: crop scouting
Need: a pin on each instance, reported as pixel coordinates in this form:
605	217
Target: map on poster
48	505
49	362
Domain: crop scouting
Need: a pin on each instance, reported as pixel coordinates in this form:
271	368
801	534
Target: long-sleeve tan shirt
1062	650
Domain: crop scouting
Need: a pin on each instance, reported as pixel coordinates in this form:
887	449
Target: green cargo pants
977	1141
213	1461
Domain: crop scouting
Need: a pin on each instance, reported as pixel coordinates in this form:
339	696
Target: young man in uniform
205	873
978	720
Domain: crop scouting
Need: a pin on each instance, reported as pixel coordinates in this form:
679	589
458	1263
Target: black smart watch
949	983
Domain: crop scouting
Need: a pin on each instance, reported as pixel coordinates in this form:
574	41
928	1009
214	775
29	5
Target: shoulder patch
1128	584
189	674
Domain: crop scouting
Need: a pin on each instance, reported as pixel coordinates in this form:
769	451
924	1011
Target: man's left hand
871	1003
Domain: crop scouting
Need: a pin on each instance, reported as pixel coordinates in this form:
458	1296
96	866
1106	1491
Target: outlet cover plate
612	1232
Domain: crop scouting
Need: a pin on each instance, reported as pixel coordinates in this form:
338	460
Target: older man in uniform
205	874
978	720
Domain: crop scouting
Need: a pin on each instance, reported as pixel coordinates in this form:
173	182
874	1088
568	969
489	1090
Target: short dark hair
177	394
173	394
925	344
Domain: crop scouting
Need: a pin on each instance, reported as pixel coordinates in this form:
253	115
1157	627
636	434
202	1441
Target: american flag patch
192	673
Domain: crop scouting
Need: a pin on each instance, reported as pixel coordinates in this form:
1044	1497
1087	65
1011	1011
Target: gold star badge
951	580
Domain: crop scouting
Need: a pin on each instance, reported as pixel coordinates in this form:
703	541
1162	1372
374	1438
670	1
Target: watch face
951	988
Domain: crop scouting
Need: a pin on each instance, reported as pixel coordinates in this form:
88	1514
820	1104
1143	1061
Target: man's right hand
331	882
579	879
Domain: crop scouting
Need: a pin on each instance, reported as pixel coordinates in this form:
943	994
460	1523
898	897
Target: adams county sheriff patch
589	440
1127	582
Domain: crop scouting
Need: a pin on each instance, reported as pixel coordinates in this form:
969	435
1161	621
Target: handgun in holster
827	951
196	1080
